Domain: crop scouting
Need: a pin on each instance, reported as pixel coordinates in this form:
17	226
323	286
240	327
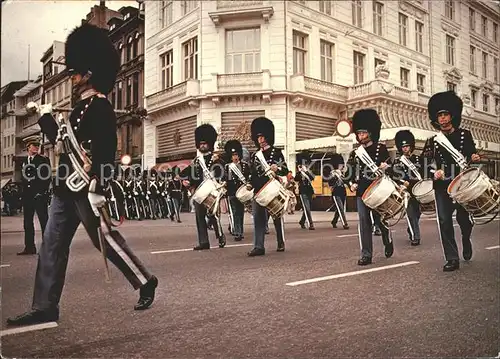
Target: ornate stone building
308	64
127	33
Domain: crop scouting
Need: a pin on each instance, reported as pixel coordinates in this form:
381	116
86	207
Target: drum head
423	187
464	180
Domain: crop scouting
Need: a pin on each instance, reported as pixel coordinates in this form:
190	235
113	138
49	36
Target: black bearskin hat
233	146
265	127
88	48
445	101
205	133
303	158
404	138
367	120
337	160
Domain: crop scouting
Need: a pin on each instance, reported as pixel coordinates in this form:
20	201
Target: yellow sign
317	184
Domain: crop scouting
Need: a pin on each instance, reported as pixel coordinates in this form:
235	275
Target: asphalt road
220	303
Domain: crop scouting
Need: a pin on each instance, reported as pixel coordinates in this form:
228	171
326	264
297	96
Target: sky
38	23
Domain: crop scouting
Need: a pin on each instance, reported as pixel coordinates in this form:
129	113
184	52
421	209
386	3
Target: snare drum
244	195
207	193
274	197
383	197
474	191
423	191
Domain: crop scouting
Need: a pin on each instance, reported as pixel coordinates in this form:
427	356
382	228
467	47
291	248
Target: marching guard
366	124
36	178
175	189
234	153
93	63
445	113
194	175
338	190
304	178
405	143
262	130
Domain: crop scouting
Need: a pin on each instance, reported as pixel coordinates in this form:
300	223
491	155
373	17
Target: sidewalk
15	223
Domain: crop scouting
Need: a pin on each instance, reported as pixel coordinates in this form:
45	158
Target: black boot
281	247
451	265
389	250
256	252
27	252
415	242
222	241
467	250
201	247
364	261
34	317
147	294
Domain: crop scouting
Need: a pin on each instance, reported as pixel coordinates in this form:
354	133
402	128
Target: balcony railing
318	88
383	87
231	4
172	95
242	82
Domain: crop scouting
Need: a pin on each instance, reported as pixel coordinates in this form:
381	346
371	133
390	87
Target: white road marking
494	247
4	265
191	249
348	274
348	235
28	328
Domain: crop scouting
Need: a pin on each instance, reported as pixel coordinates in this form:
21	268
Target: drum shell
274	197
244	195
206	194
383	197
423	191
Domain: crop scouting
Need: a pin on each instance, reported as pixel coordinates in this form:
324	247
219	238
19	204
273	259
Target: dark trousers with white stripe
66	214
260	219
306	209
202	226
445	208
365	226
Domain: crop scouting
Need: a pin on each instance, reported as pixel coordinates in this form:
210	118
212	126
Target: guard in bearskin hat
337	187
262	130
175	190
234	168
366	124
35	181
405	144
92	62
192	176
445	114
304	178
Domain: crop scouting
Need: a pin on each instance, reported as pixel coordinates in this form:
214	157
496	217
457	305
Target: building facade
308	64
127	33
8	130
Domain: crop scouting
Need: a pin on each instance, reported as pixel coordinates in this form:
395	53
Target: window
484	25
495	70
473	59
472	20
420	83
450	50
419	36
495	32
128	100
129	49
243	50
135	88
325	6
190	55
166	13
473	97
299	53
119	96
359	67
450	86
378	11
167	70
404	75
497	106
486	102
485	65
135	45
449	9
326	61
113	97
188	5
403	29
357	8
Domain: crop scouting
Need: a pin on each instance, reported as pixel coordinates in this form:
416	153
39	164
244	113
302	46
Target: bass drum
423	191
